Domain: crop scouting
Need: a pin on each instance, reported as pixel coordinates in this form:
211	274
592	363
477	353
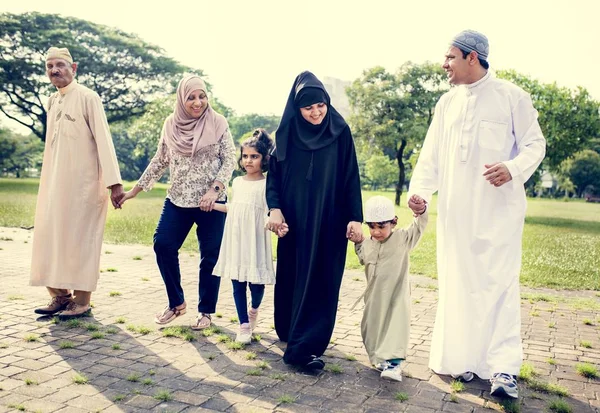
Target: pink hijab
185	134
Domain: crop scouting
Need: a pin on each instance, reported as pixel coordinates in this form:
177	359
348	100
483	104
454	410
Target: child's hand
417	204
283	230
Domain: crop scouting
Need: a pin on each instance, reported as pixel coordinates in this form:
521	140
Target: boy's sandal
169	314
202	321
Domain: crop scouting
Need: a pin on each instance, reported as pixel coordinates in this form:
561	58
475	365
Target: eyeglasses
380	225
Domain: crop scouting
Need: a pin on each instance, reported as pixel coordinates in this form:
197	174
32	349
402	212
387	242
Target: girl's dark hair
262	143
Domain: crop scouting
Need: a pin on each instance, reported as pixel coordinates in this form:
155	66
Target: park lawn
561	240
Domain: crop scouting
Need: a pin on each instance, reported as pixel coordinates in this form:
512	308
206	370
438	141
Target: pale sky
252	50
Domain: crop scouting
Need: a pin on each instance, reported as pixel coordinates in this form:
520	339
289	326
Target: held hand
275	221
417	204
132	193
207	202
497	174
126	197
354	231
283	230
116	194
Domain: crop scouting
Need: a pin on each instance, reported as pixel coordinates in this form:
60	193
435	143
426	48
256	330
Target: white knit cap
379	209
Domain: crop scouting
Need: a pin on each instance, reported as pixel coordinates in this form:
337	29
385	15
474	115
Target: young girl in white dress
246	256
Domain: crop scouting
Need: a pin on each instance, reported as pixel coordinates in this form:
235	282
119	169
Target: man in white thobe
79	164
484	142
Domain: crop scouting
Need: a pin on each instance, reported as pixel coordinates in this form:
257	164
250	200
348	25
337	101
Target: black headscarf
307	90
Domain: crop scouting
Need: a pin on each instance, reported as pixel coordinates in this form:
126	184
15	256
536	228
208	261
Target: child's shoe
392	372
253	317
466	377
245	334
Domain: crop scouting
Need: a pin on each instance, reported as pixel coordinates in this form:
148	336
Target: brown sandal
202	321
169	314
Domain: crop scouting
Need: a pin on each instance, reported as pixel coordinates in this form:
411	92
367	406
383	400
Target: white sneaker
244	336
504	385
466	377
392	373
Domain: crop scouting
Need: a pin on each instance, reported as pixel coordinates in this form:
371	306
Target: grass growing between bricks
79	379
185	333
587	370
401	397
559	406
163	395
528	375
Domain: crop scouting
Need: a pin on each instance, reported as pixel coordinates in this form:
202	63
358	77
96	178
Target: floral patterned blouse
192	177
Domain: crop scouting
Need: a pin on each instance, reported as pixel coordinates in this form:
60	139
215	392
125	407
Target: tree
584	171
124	70
570	119
19	153
393	111
241	125
380	171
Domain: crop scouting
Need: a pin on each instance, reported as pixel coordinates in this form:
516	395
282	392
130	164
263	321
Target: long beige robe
79	164
385	326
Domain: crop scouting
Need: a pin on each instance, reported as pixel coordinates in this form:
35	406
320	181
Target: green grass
278	376
250	355
18	407
334	368
254	372
30	382
588	322
119	397
350	357
559	406
30	338
66	344
585	344
79	379
163	396
527	372
147	382
97	335
121	320
549	388
263	365
402	397
116	346
235	345
551	361
561	240
185	333
285	399
587	370
133	377
510	406
115	293
15	298
92	327
457	386
73	323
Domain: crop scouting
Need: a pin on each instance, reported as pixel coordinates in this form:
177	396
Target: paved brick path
126	369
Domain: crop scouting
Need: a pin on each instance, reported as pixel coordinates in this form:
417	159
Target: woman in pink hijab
198	149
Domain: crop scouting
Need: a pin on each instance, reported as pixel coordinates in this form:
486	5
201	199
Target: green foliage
19	153
122	68
380	171
570	119
583	170
559	406
393	111
241	126
587	370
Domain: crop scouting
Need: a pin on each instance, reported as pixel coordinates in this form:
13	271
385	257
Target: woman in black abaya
313	185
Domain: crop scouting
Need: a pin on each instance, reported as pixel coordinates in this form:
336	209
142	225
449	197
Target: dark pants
257	291
173	227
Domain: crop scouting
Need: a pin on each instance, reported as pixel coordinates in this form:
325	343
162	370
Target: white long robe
79	164
479	226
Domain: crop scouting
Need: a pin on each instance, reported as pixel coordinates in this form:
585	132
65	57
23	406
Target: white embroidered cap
379	209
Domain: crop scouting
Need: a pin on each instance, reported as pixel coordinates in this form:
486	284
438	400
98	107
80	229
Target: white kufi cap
379	209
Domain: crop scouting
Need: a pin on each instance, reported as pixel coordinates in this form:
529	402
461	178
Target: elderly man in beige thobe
79	164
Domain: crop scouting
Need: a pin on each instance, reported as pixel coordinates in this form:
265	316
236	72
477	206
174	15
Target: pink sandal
202	321
169	314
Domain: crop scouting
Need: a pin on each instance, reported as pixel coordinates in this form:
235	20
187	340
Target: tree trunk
401	171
